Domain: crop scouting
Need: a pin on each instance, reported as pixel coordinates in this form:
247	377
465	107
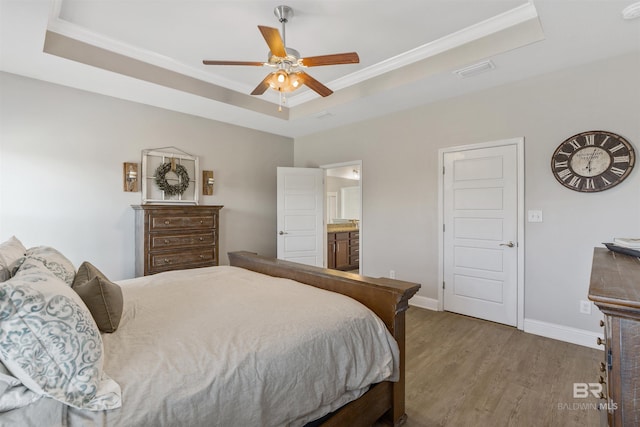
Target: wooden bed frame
388	298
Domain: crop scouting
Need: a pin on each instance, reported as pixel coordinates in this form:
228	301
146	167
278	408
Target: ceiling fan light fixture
284	81
288	65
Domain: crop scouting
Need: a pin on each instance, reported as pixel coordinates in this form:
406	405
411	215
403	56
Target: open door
300	213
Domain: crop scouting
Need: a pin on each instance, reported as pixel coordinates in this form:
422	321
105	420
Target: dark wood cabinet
177	237
615	289
343	250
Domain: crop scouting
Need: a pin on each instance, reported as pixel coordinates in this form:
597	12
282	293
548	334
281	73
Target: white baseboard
563	333
531	326
424	302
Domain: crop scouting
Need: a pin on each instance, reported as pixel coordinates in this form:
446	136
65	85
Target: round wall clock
592	161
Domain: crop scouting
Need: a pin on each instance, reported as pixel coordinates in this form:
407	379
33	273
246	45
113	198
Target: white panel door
300	215
480	233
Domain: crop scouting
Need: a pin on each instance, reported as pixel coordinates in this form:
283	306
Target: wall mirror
343	195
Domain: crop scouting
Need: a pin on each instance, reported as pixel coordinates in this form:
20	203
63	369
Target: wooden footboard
388	298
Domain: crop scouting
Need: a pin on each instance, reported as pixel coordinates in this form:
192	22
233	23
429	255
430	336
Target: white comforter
224	346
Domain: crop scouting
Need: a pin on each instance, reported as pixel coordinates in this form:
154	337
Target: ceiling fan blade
315	85
338	58
274	41
210	62
263	86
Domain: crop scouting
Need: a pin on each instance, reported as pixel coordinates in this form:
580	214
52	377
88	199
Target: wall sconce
207	183
130	176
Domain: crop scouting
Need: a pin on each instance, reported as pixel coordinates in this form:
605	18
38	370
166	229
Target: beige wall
61	155
399	225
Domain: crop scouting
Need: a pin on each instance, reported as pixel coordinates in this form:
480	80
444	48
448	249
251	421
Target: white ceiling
151	51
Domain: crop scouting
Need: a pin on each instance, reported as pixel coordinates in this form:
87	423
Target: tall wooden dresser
615	289
175	237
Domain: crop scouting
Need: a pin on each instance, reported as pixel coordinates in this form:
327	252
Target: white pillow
10	251
50	342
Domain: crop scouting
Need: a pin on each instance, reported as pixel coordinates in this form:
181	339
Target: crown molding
477	31
508	19
82	34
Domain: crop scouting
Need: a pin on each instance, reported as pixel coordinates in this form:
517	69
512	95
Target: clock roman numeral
590	139
617	171
606	181
564	164
564	153
589	184
564	174
621	159
575	144
575	181
616	148
605	141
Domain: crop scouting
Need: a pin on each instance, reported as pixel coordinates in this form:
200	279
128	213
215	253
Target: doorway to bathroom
343	216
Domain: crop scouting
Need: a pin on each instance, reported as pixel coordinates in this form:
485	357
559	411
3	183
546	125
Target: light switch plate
534	216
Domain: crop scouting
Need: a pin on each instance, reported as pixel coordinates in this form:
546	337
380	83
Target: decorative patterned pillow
10	251
49	341
54	261
102	297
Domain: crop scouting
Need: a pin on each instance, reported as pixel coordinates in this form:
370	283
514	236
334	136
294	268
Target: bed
224	346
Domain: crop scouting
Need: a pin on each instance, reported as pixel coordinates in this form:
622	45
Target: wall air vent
472	70
323	114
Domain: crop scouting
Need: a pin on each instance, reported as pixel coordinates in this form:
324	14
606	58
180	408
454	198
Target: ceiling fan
289	67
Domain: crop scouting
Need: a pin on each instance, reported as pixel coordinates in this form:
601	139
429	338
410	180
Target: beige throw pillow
10	251
100	295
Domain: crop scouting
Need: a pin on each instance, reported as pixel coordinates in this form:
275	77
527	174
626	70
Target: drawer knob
601	380
601	395
167	261
201	222
602	323
201	239
166	241
600	341
167	222
603	367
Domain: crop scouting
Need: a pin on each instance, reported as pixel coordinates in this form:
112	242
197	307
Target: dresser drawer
175	222
173	260
168	241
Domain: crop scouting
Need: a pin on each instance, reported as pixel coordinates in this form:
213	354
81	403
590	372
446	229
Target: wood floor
463	371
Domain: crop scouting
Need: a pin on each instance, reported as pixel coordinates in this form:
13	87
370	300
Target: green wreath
161	179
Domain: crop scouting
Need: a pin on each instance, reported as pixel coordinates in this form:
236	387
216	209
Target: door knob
509	244
282	232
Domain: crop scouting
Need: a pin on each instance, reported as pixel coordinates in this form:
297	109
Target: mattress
224	346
